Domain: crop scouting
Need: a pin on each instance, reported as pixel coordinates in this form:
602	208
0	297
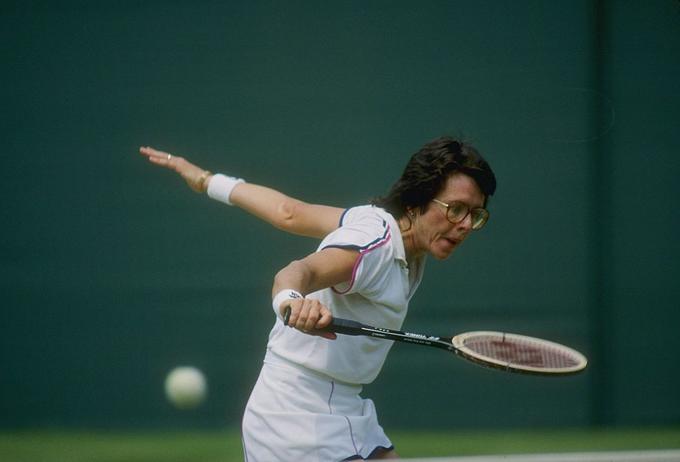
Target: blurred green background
113	272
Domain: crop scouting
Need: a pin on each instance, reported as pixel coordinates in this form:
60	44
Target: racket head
519	353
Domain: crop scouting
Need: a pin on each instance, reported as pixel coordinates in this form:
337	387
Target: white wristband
220	187
285	294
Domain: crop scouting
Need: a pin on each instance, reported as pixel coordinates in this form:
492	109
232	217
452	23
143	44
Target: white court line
618	456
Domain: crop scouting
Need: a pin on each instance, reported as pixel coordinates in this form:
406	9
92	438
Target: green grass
225	446
205	446
416	444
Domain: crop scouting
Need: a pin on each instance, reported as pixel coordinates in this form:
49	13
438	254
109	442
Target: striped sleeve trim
363	250
342	217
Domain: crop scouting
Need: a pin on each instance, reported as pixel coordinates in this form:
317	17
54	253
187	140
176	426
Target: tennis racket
497	350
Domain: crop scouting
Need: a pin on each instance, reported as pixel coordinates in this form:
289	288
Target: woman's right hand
308	315
195	177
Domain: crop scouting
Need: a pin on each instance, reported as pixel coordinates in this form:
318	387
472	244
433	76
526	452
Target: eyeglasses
458	211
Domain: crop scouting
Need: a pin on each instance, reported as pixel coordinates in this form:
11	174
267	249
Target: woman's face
432	232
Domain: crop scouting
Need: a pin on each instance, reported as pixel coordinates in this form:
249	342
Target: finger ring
169	156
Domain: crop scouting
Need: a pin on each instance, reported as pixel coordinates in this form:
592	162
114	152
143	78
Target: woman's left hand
196	177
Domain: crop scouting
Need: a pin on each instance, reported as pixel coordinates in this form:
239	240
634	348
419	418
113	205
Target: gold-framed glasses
458	211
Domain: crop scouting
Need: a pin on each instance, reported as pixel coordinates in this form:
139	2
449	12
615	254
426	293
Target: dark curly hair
427	171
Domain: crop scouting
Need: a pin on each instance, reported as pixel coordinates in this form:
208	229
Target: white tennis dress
306	405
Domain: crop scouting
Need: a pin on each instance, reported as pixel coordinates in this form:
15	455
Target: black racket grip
344	326
337	325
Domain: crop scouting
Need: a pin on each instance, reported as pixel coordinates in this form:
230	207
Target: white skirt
295	414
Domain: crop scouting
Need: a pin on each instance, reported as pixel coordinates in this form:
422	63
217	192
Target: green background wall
112	272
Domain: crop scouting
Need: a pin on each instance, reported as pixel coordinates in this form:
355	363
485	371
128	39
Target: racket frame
456	345
580	361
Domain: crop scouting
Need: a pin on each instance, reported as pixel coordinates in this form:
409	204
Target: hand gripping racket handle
337	325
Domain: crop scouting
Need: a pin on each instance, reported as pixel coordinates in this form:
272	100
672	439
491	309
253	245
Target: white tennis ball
185	387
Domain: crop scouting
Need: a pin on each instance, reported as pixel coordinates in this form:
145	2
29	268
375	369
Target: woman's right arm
281	211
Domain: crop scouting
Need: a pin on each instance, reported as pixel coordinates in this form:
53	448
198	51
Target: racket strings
521	352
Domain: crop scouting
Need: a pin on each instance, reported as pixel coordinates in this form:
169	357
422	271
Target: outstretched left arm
279	210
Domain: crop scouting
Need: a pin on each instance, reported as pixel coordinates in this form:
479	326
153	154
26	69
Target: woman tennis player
306	404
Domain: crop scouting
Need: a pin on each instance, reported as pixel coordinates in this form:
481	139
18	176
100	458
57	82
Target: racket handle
344	326
337	325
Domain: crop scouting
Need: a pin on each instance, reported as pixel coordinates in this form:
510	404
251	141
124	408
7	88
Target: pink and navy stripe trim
363	250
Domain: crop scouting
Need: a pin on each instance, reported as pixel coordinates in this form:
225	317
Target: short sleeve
362	229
